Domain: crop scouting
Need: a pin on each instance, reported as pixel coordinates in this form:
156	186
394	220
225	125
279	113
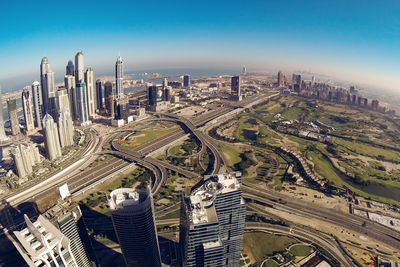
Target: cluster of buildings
211	228
327	92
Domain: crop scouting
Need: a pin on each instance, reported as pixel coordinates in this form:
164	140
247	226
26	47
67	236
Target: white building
65	128
25	157
90	92
52	141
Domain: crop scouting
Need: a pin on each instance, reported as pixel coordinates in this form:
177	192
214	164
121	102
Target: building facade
70	70
3	135
132	214
13	115
186	81
52	140
28	111
119	77
235	88
99	95
37	103
25	156
70	86
79	67
48	88
90	92
109	99
212	222
81	104
65	128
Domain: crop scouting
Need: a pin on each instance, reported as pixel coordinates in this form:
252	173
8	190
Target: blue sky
354	39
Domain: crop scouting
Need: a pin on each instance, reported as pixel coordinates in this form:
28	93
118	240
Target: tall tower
212	222
90	91
62	101
109	98
81	104
79	67
235	88
3	136
13	115
99	94
69	83
65	128
52	141
37	103
50	246
48	87
28	112
70	70
69	228
132	215
186	81
281	81
119	76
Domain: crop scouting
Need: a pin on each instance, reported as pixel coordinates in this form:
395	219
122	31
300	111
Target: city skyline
352	41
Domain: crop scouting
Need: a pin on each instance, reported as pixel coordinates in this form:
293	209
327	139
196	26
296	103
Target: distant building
165	83
3	135
121	109
109	98
90	92
48	88
99	95
119	78
42	244
37	103
79	68
81	103
375	104
52	141
235	88
65	128
156	98
186	81
13	115
25	156
244	70
167	93
28	111
132	214
212	222
281	78
70	70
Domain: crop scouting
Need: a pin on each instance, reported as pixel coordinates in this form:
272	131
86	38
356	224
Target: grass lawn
231	153
172	215
142	137
260	244
301	250
270	263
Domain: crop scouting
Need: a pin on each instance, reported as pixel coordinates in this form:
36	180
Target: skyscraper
52	141
90	92
42	244
70	70
3	135
28	112
244	70
25	157
13	115
212	222
186	81
99	95
65	128
37	103
79	67
109	98
280	78
81	104
68	226
122	109
70	86
235	88
132	215
48	87
62	101
119	77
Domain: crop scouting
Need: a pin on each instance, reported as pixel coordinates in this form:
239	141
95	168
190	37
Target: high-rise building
42	244
48	87
212	222
37	103
68	226
65	128
132	214
25	156
70	70
90	91
235	88
122	109
81	103
70	86
62	101
244	70
3	135
109	98
99	95
13	115
281	81
186	81
165	83
28	112
79	67
52	141
119	77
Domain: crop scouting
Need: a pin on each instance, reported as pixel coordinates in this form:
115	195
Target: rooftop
124	197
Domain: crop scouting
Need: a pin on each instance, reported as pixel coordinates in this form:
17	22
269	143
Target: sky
355	40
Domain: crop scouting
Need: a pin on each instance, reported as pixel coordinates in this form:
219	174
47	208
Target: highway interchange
77	180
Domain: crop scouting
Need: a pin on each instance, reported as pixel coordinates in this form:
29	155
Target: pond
250	134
